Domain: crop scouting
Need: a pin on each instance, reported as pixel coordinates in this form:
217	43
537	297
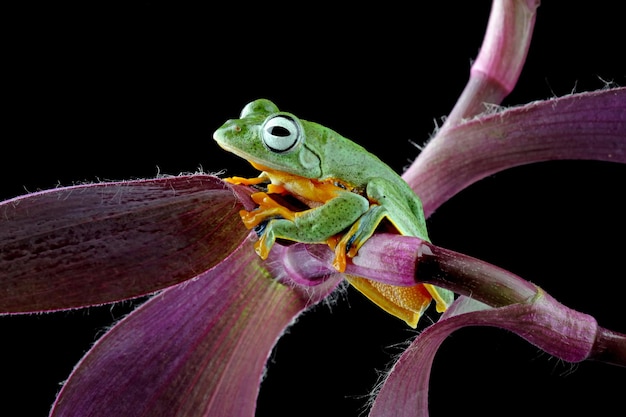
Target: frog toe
263	246
340	261
443	297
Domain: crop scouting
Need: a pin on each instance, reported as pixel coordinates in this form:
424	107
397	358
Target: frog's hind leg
385	202
403	212
358	234
410	226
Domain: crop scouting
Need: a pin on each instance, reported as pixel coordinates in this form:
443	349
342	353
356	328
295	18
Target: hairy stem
609	347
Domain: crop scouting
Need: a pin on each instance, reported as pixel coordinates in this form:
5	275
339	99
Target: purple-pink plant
195	349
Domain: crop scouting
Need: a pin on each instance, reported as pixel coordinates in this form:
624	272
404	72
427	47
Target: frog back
348	162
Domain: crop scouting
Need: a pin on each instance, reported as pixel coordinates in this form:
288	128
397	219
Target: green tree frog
346	193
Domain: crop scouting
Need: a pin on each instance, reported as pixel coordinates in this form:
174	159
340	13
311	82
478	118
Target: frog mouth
255	162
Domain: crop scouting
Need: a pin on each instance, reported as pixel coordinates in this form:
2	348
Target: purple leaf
589	126
99	243
565	333
197	349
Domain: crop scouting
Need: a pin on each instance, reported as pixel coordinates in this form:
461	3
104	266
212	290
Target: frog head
267	137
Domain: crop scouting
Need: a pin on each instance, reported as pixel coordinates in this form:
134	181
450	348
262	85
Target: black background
104	91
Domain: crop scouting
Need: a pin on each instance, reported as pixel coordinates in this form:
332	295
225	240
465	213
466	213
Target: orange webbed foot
338	245
268	208
246	181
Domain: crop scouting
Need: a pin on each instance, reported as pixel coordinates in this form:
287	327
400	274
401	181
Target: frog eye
281	133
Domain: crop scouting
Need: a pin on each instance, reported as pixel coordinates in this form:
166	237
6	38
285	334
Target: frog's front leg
262	178
267	208
315	225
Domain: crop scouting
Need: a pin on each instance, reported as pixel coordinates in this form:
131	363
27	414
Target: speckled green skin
323	154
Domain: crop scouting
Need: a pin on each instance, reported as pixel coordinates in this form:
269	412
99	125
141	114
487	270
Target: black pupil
279	131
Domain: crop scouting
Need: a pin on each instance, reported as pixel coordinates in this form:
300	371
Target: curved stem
497	287
502	55
472	277
609	347
403	261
